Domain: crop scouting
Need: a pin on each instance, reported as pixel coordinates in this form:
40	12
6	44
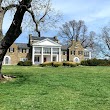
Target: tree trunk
13	32
1	22
1	34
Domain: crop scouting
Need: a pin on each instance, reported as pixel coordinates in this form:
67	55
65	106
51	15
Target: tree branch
9	7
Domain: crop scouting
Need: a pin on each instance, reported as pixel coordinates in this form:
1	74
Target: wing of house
45	49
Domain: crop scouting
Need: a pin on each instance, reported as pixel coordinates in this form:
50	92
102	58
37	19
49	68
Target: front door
45	59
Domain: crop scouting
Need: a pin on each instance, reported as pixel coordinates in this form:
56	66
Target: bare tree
77	31
43	15
104	41
41	12
15	29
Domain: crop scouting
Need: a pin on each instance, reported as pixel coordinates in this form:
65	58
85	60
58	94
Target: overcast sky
95	13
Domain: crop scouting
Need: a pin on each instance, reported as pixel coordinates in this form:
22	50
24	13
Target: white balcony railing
55	52
37	52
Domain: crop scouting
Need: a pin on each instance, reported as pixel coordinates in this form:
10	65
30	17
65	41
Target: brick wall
15	55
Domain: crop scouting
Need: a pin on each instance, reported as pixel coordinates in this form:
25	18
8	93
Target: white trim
9	63
90	56
33	55
59	54
38	43
77	59
51	54
42	57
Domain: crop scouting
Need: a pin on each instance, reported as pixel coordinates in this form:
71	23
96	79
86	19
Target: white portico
46	51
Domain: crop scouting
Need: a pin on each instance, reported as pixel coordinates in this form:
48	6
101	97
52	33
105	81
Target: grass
49	88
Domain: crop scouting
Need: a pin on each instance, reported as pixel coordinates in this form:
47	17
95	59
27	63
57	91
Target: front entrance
54	58
45	59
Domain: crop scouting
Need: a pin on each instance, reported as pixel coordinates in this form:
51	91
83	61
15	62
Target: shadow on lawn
15	78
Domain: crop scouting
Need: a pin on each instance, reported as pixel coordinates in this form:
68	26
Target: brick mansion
45	49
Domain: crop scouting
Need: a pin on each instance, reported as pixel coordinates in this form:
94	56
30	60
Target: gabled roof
64	47
46	42
42	38
22	45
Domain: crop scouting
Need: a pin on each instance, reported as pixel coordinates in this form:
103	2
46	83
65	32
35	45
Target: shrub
20	63
96	62
57	64
84	62
72	64
46	64
27	63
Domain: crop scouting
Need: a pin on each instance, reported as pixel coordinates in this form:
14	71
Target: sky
95	13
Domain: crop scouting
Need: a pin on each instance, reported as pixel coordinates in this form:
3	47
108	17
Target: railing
37	52
55	52
86	55
46	52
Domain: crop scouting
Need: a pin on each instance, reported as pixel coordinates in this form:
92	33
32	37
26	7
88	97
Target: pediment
46	42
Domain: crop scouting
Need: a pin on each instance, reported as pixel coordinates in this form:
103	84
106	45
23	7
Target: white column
33	51
42	57
59	54
51	54
90	56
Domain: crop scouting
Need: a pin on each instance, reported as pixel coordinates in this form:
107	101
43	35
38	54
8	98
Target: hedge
25	63
46	64
96	62
71	64
57	64
20	63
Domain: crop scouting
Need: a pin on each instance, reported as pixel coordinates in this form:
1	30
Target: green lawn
79	88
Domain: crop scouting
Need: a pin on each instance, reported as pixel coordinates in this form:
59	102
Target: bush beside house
25	63
96	62
57	64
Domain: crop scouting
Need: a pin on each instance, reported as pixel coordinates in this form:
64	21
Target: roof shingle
22	45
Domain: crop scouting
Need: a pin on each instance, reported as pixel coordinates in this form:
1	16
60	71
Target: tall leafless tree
15	29
77	31
43	15
104	41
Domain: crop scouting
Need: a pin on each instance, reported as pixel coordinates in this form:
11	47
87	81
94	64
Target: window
21	50
36	59
72	52
11	49
25	50
54	58
55	51
76	59
80	52
47	50
6	60
37	50
64	60
64	52
86	54
23	59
